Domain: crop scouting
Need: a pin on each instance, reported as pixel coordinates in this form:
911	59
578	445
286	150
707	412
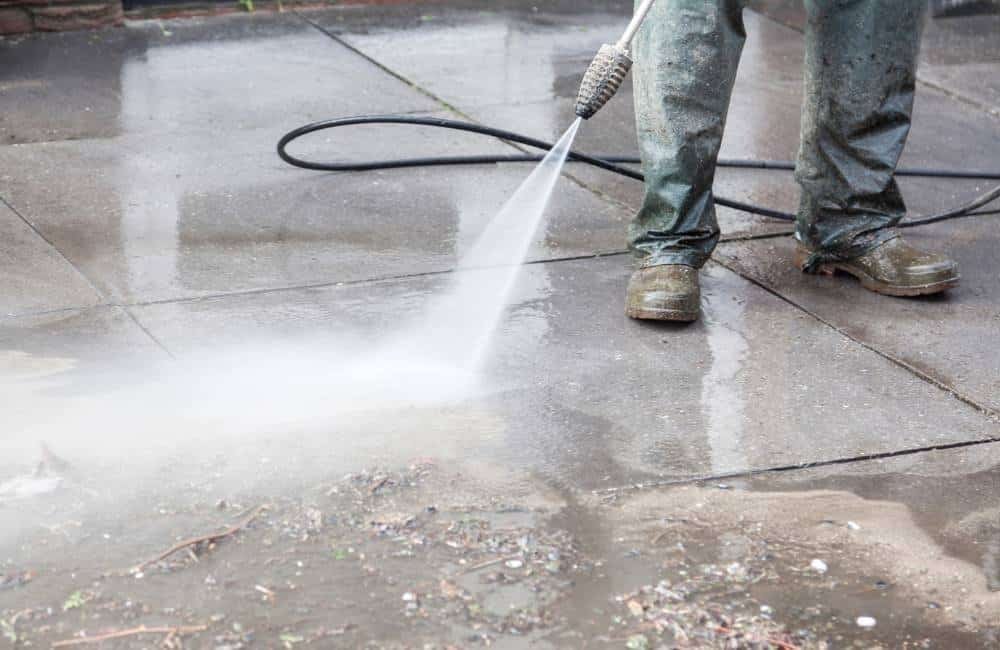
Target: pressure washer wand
609	68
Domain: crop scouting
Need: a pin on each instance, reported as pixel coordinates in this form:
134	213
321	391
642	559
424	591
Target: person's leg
686	55
861	59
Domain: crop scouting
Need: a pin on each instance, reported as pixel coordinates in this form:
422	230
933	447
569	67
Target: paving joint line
381	66
364	281
85	278
986	411
357	282
780	469
50	244
300	287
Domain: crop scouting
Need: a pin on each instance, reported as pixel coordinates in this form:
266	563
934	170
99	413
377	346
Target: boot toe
667	292
932	272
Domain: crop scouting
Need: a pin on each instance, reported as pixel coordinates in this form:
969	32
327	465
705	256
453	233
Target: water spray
609	68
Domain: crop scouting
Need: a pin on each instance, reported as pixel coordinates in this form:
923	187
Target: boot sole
676	315
879	286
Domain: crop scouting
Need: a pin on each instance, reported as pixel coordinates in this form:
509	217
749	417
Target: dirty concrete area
222	430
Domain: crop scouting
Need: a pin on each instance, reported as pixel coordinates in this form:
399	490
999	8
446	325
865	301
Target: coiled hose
612	164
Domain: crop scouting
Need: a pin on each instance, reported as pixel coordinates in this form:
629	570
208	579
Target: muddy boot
894	268
664	292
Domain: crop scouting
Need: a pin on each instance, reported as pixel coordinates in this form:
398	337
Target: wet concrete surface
734	393
149	78
36	276
196	227
192	329
951	339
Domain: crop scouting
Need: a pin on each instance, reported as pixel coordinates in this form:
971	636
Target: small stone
409	597
853	526
866	622
819	566
514	564
635	609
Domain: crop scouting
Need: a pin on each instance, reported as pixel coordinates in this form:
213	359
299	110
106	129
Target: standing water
457	328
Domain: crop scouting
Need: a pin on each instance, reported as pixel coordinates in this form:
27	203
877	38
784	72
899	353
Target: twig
142	629
378	486
194	541
483	565
782	645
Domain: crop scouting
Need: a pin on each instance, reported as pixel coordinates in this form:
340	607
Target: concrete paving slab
155	218
35	276
63	86
953	339
578	393
219	75
961	55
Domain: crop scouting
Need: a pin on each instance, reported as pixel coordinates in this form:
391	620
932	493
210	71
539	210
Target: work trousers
860	74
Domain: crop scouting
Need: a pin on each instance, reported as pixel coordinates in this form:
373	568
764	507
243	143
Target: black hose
609	163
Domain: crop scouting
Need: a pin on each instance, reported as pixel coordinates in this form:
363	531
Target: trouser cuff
861	245
691	258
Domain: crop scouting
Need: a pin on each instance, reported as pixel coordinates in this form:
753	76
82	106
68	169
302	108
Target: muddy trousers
860	73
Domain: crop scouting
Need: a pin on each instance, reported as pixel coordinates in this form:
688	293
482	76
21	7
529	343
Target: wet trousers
860	74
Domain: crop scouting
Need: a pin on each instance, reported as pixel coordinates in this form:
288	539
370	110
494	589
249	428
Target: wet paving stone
36	277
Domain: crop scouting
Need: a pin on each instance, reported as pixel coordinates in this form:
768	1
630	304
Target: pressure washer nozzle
603	79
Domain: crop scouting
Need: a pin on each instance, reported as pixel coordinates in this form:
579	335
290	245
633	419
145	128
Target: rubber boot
664	292
894	268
